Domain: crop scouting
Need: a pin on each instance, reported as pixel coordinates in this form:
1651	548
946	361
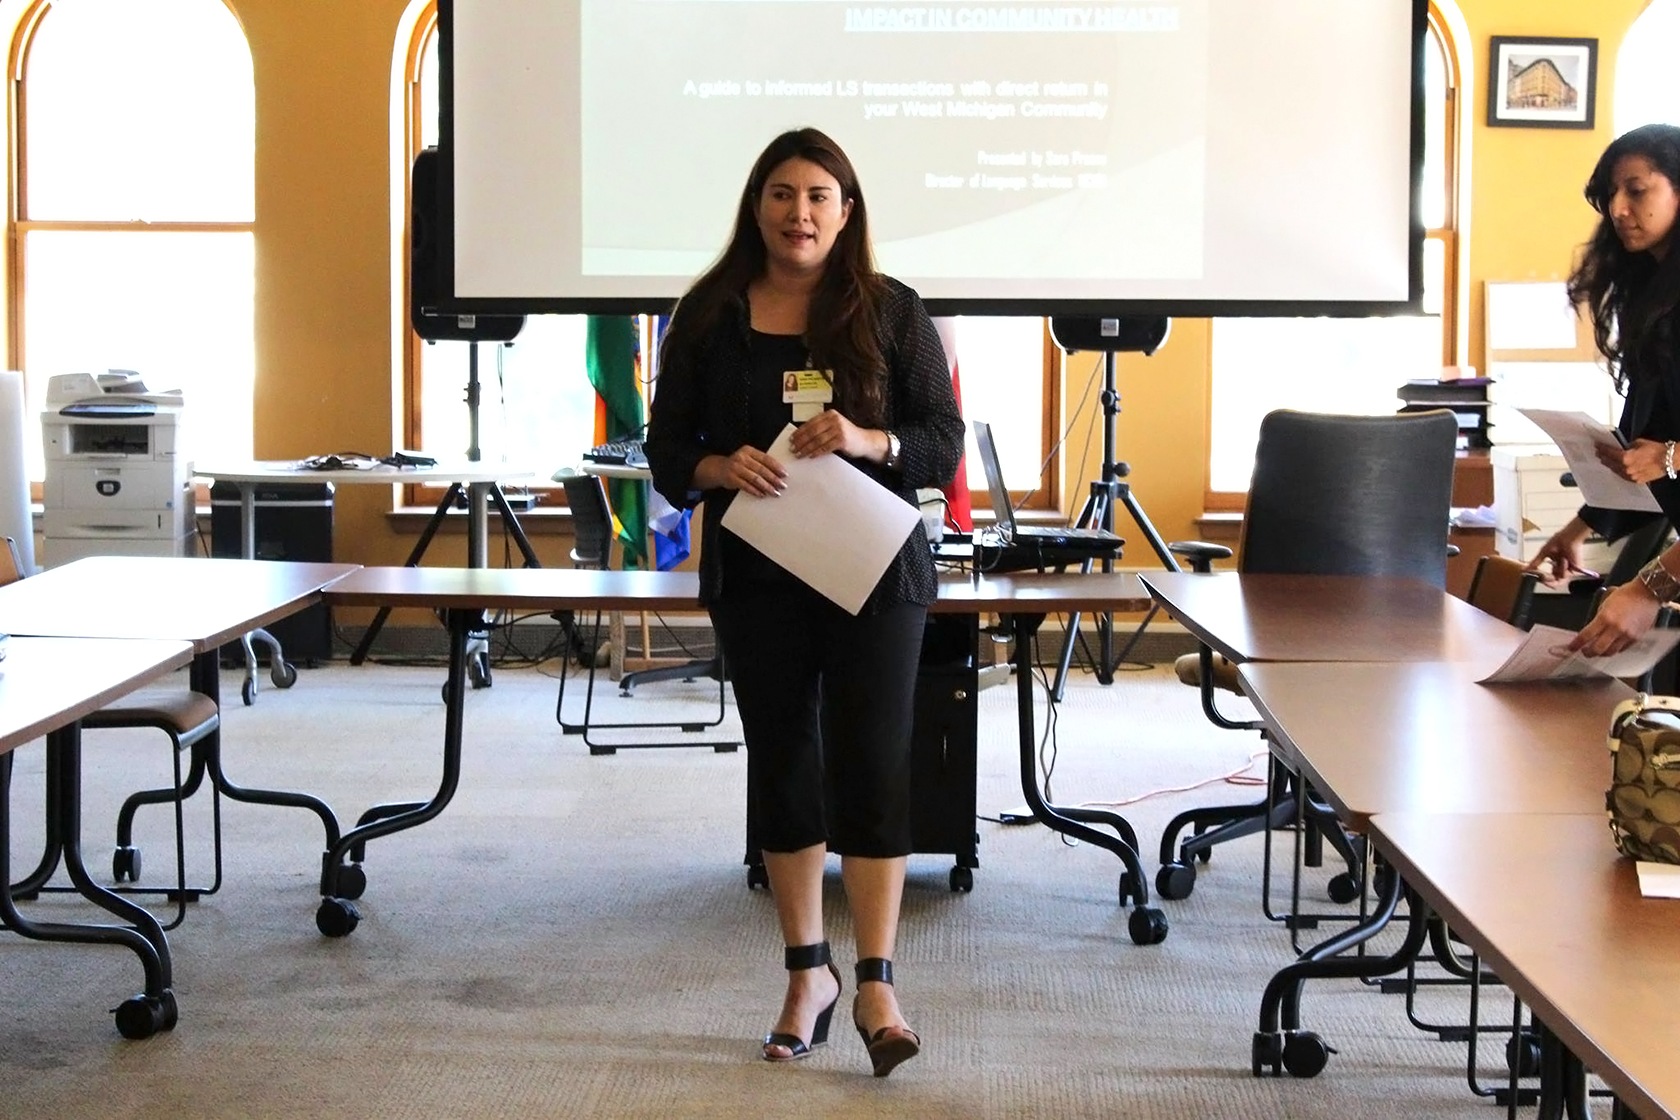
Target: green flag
613	357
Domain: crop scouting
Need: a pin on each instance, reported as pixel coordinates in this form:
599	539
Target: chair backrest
11	565
1351	495
586	497
1504	588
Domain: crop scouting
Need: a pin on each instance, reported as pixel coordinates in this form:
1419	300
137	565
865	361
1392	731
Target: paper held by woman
832	525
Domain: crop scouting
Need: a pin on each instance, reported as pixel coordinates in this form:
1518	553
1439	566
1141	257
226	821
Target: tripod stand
1111	337
480	494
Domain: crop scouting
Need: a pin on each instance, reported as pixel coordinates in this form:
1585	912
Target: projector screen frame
661	303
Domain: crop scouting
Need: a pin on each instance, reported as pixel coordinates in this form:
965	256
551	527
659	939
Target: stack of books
1466	396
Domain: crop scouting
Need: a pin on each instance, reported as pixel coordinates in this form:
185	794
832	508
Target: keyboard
620	452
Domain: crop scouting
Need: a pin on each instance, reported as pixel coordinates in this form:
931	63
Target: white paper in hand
1577	435
832	525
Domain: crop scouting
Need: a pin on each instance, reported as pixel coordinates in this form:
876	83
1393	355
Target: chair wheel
478	670
1343	888
143	1016
337	917
1522	1054
962	880
1147	925
758	879
125	865
1266	1053
1305	1054
248	691
1175	880
283	673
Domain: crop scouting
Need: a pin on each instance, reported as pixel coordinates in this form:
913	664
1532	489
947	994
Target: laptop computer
1100	542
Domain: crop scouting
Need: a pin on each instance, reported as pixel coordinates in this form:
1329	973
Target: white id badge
808	391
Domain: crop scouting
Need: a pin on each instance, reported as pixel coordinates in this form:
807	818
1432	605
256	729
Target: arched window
1646	92
1346	365
134	129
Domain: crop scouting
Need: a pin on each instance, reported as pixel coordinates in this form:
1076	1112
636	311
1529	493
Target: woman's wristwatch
1659	581
895	452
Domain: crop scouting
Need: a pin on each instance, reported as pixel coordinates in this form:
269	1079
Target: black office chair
1504	588
187	718
586	497
1330	495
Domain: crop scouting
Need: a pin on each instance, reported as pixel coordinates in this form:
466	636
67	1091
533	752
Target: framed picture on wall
1541	83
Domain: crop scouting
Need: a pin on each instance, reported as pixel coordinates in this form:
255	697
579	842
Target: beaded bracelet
1668	459
1659	581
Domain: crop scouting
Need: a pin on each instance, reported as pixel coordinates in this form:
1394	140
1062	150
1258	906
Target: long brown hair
840	327
1632	297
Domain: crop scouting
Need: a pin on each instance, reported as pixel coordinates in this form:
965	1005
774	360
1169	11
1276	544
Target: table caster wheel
962	880
143	1016
758	879
1147	925
1343	888
125	865
336	917
283	673
1175	880
352	881
248	691
1267	1053
1305	1054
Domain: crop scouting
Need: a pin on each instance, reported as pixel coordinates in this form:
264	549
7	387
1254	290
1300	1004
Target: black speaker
428	222
1120	335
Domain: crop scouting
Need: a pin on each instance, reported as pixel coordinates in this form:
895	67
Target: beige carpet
574	937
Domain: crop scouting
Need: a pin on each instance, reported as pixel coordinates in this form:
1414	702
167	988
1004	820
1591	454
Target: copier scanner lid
114	393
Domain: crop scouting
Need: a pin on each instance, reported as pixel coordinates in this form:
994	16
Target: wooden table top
205	602
1424	737
1556	912
288	470
46	683
543	589
1328	618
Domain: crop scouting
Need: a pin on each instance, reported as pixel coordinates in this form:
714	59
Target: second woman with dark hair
1628	280
825	697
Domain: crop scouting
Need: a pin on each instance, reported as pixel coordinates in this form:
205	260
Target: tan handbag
1644	795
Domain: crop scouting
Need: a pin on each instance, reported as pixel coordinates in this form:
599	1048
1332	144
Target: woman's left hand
1644	460
830	432
1626	614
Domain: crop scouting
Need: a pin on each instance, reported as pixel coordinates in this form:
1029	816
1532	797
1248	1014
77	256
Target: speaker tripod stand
1111	337
480	492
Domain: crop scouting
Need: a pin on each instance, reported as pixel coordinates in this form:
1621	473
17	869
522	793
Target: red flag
959	510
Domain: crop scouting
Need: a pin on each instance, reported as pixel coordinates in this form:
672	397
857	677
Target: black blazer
1651	411
700	409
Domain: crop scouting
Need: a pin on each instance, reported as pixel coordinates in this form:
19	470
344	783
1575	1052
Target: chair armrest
1201	554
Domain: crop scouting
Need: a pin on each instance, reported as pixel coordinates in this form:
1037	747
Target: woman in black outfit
825	697
1628	279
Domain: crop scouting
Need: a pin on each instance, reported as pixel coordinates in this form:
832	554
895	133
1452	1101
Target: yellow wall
325	376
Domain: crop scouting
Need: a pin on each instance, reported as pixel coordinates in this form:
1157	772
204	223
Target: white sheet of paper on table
1659	880
832	525
1576	435
1542	657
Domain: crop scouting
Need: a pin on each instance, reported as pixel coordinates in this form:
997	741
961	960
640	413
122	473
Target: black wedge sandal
797	958
889	1047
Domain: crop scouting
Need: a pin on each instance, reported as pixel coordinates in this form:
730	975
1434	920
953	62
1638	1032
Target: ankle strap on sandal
796	958
874	968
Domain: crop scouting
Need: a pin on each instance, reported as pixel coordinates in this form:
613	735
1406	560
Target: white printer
115	482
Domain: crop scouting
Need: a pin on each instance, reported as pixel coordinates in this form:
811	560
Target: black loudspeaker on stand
431	273
1120	335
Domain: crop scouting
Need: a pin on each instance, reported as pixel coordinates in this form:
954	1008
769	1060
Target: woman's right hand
1561	555
746	469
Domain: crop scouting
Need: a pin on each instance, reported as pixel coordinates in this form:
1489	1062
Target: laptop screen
1002	509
